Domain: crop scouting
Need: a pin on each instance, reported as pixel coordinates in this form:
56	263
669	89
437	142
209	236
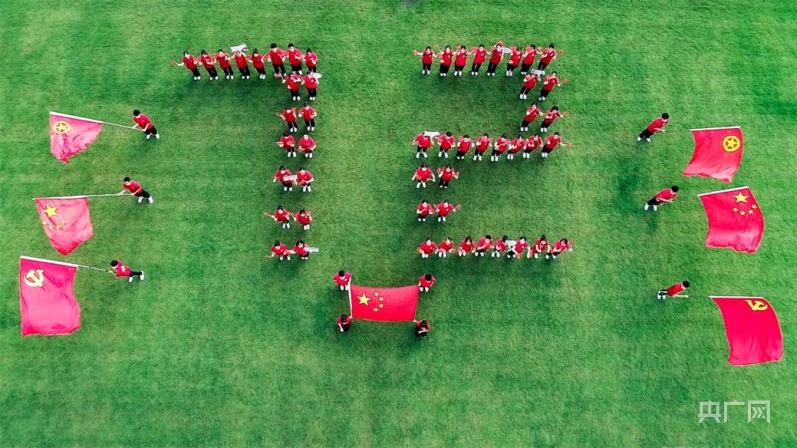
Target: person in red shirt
124	271
422	174
532	143
500	247
293	82
209	63
446	142
461	58
307	146
484	245
302	249
529	83
280	250
424	210
427	57
663	197
295	57
311	84
242	62
136	190
446	247
550	144
427	248
655	126
516	250
281	216
482	143
514	61
276	55
422	328
422	142
305	179
466	246
548	85
531	115
288	144
225	64
304	218
258	62
499	147
444	209
285	177
189	62
308	115
674	291
344	323
559	247
515	146
145	124
496	55
479	56
289	116
528	59
343	280
446	57
311	61
464	146
550	117
540	246
548	55
425	282
446	174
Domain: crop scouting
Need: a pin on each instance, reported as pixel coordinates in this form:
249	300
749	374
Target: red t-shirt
533	142
514	57
462	57
540	246
132	186
426	284
517	145
500	245
444	209
276	55
483	143
657	124
496	55
484	244
424	209
294	56
520	246
446	173
467	246
671	291
479	55
307	144
446	245
143	121
501	144
207	61
427	56
303	218
445	57
301	249
280	250
666	195
310	82
560	247
548	55
342	281
282	175
428	247
424	141
552	142
308	113
550	82
423	174
258	60
551	116
464	144
240	60
122	270
530	81
529	56
304	177
190	62
287	142
224	60
311	59
531	113
293	82
282	215
348	319
289	115
445	142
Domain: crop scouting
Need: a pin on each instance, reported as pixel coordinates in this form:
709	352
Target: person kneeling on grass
422	328
344	322
674	291
124	271
425	282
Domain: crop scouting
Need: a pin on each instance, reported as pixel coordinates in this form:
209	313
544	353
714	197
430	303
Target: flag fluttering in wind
70	135
718	153
47	297
734	219
752	329
66	221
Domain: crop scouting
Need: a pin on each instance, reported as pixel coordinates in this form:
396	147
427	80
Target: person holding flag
665	196
304	218
482	144
124	271
427	248
225	64
532	143
674	291
446	174
293	82
136	190
547	56
550	117
479	56
241	61
531	115
655	126
422	142
496	55
258	62
281	216
422	328
460	60
307	146
425	282
427	57
280	250
305	179
551	81
424	210
464	146
484	245
190	62
311	61
311	84
446	247
446	142
288	143
540	246
466	246
528	59
276	55
423	174
344	323
308	115
559	247
145	124
444	209
295	59
289	116
210	64
285	177
343	280
529	83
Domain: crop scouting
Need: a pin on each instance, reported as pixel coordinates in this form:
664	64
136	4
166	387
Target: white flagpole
89	119
723	191
84	196
714	129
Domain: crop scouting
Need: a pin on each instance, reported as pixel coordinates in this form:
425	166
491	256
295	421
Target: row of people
306	145
294	81
283	216
288	180
425	174
276	56
503	245
442	210
523	58
290	117
501	145
281	250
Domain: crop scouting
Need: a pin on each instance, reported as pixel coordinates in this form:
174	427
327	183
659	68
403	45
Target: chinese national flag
47	297
734	219
752	328
70	135
66	221
718	153
383	304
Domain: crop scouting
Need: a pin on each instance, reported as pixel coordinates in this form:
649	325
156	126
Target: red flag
66	221
752	328
718	153
47	297
734	219
70	135
383	304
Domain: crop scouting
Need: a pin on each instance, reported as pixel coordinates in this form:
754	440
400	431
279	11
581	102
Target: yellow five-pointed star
50	210
741	198
364	299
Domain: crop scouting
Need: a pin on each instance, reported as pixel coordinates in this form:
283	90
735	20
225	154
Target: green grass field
220	347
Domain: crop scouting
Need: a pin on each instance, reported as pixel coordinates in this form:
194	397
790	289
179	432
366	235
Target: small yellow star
741	198
376	309
364	299
753	206
381	299
50	210
735	210
381	305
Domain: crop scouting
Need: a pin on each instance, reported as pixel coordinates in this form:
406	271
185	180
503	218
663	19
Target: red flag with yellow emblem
66	221
47	297
752	329
383	304
734	219
718	153
70	135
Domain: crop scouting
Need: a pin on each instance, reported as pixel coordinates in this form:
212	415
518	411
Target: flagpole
24	257
714	129
93	268
89	119
723	191
84	196
118	125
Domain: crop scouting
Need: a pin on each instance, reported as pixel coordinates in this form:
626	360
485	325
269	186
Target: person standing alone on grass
136	190
663	197
655	126
124	271
145	124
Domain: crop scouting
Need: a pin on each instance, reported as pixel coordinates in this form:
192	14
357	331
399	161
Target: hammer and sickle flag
718	153
66	221
383	304
734	219
70	135
47	297
752	329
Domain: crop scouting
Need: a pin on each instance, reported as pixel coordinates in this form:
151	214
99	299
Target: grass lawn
220	347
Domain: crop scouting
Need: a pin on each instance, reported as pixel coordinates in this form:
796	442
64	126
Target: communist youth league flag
718	153
47	297
66	221
383	304
70	135
734	219
752	328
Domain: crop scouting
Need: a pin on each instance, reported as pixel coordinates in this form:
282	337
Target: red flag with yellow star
718	153
66	221
752	329
47	297
70	135
734	219
383	304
